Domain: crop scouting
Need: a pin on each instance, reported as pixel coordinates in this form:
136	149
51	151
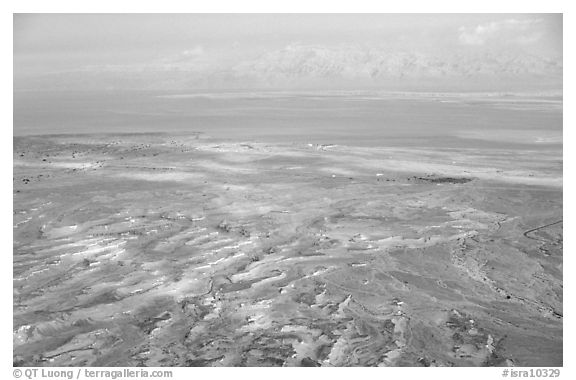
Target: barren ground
160	250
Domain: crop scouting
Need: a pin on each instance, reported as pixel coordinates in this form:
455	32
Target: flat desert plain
184	250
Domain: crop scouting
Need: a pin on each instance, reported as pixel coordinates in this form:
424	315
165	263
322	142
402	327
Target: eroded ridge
185	251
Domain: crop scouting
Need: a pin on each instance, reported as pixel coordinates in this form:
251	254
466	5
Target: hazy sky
51	49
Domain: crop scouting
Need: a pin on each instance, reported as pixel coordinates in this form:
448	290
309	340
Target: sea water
352	118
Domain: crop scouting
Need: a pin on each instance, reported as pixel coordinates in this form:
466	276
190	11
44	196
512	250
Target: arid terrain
183	250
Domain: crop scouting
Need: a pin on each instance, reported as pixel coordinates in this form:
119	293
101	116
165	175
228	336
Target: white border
295	6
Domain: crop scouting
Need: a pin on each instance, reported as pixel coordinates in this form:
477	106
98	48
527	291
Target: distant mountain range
306	66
